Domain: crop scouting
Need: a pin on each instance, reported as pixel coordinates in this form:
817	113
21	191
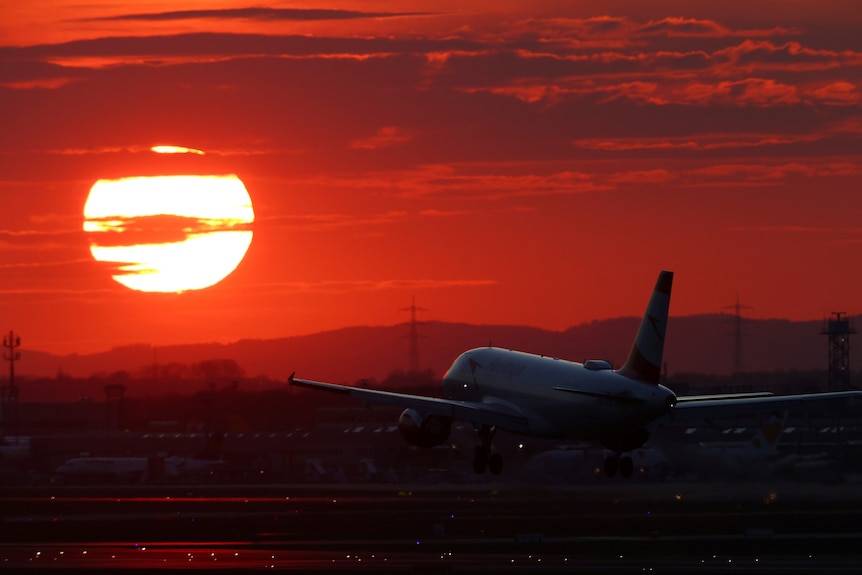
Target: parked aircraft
140	469
547	397
759	457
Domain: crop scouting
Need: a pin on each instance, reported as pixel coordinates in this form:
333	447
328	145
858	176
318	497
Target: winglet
644	360
290	378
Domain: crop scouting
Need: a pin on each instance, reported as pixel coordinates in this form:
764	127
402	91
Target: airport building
356	444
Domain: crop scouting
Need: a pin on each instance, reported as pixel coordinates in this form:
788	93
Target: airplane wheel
480	460
611	465
495	463
626	466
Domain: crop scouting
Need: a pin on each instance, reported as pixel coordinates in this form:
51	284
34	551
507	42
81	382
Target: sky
532	163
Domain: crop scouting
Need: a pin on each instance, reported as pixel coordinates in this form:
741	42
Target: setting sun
169	233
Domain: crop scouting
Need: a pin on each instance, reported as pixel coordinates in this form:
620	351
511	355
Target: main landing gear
483	458
625	440
614	463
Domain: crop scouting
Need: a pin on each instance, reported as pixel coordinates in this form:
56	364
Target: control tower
838	330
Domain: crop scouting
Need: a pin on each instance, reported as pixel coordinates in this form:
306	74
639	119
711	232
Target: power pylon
737	333
413	360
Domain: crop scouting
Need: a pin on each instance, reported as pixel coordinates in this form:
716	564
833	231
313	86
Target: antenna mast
10	392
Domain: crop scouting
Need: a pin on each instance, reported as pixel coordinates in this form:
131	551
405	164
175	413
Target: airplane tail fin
768	436
644	360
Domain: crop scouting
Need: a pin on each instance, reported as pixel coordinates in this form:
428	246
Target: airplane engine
424	430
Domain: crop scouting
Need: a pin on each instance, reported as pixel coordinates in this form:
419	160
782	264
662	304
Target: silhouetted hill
701	344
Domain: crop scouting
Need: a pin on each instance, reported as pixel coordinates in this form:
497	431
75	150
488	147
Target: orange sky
501	163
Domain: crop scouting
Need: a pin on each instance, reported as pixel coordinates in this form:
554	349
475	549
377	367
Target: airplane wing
741	405
499	415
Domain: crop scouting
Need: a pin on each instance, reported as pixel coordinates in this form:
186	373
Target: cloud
792	56
330	221
702	28
687	27
758	92
45	264
697	141
385	137
828	235
256	13
446	180
838	94
657	176
755	172
622	31
35	239
346	286
435	213
788	229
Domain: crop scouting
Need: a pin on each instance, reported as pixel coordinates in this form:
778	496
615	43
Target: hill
699	344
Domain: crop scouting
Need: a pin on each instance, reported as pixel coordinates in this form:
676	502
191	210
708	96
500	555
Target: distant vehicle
546	397
141	469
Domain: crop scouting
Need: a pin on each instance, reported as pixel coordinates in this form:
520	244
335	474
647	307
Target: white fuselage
559	399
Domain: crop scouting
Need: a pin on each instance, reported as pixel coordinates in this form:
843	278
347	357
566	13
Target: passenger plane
546	397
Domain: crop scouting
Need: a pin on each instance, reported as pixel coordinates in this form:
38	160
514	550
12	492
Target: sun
169	233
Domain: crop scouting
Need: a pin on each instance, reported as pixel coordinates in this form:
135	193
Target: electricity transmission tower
413	336
737	333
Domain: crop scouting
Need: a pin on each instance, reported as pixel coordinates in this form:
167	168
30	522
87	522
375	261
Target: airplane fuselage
558	398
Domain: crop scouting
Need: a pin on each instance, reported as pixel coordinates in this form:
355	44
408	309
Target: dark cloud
158	229
212	44
258	13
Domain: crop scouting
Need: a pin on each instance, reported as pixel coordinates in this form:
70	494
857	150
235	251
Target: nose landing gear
483	458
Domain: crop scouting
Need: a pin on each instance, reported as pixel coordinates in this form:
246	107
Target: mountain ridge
695	344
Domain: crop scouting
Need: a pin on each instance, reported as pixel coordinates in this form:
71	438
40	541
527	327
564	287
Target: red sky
501	163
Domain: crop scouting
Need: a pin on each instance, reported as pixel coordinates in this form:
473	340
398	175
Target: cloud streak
255	13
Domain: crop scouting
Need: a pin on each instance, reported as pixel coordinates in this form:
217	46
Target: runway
612	528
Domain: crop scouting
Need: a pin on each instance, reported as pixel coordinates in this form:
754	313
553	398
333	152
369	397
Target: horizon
179	175
134	344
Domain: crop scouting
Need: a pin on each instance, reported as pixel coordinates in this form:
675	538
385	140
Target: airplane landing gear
614	463
483	458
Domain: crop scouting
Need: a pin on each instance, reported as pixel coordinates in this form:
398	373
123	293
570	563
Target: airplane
548	397
140	469
759	457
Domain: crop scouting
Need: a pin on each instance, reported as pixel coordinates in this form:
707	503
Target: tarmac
617	527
